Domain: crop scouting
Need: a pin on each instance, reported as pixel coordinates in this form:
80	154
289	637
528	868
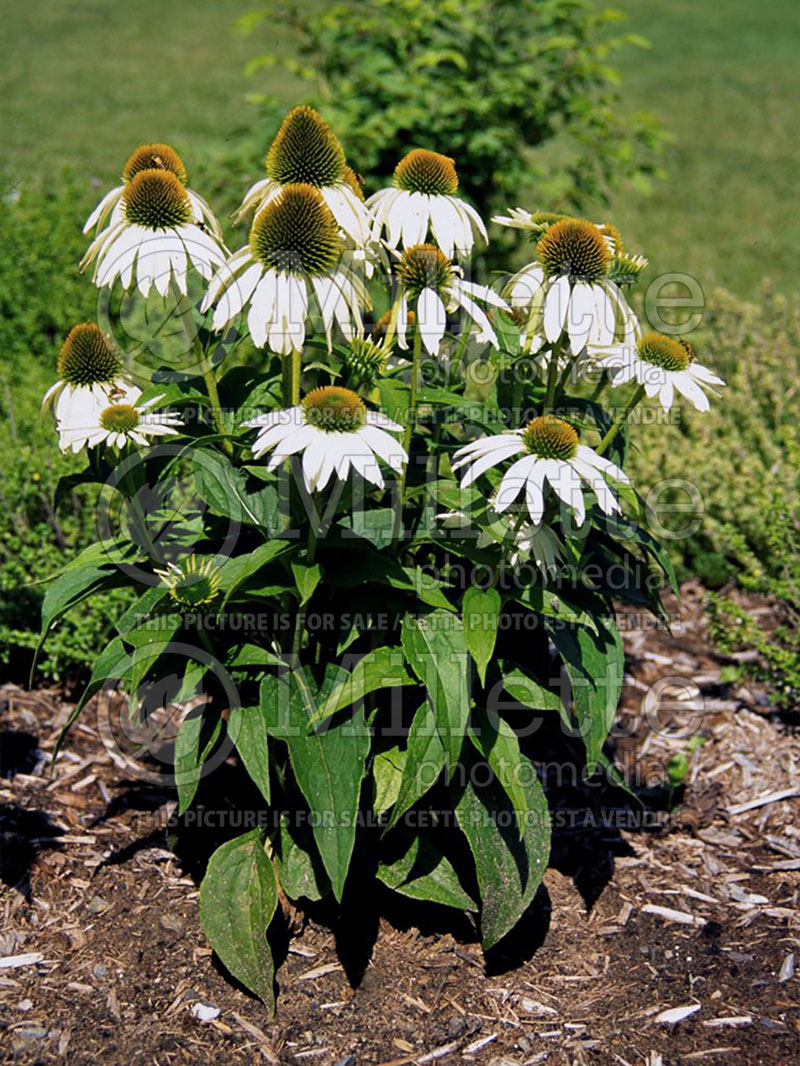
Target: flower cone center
87	358
664	352
334	409
426	172
550	438
193	582
576	248
305	150
424	266
296	232
155	199
154	157
120	418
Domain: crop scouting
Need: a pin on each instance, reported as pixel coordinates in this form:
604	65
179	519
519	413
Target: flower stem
611	435
291	379
412	405
552	378
300	617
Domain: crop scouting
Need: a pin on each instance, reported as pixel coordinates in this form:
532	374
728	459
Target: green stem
300	618
601	384
552	378
291	379
213	395
411	416
611	435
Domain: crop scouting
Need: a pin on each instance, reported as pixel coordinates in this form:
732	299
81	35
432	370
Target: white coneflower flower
568	287
550	454
662	365
537	542
90	373
435	286
192	582
335	433
422	198
306	151
153	157
123	420
155	233
294	247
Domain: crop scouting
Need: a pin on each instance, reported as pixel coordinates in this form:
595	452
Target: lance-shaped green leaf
381	668
436	651
424	873
509	870
234	572
329	766
594	663
197	737
238	899
247	729
223	487
299	867
306	579
531	693
481	610
497	742
387	772
424	762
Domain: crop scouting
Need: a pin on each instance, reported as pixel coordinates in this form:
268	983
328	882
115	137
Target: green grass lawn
82	83
722	75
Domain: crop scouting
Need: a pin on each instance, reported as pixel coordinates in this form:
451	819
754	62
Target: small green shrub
41	296
743	457
491	81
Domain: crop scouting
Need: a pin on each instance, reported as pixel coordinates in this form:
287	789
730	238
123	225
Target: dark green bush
489	83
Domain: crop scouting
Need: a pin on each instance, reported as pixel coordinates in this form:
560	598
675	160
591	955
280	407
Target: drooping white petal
556	306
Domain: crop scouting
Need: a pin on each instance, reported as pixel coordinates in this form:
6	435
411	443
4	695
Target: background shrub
490	83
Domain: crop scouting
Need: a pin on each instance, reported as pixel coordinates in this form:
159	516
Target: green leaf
530	693
509	869
481	609
435	649
423	873
549	605
238	899
234	572
497	742
387	771
594	665
224	488
381	668
329	766
251	656
300	871
197	735
248	731
306	579
425	760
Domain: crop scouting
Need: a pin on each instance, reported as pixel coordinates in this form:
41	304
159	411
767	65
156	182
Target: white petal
556	305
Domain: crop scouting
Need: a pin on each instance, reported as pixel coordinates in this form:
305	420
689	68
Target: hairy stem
611	435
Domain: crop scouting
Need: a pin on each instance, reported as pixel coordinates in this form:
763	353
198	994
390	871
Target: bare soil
697	911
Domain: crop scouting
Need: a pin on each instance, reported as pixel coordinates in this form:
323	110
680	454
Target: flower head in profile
294	255
432	285
422	199
569	289
663	365
522	543
334	432
306	151
123	419
90	372
192	582
153	157
157	227
549	454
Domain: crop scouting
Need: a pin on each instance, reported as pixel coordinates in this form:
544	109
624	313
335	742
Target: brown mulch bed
699	911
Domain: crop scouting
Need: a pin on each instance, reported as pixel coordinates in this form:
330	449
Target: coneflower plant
370	548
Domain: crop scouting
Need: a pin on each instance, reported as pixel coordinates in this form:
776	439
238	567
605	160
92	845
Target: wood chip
677	1014
261	1037
787	968
319	971
478	1045
669	915
733	1020
11	962
439	1052
762	801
